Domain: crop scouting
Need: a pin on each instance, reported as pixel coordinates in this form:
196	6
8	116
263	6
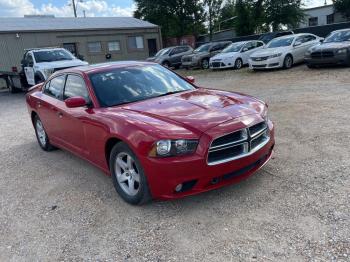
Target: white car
235	55
39	64
283	52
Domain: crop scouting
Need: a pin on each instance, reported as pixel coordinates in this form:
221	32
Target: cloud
19	8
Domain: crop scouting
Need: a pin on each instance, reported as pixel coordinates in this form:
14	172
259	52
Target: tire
166	64
177	66
205	64
238	64
311	66
288	62
39	79
41	136
128	176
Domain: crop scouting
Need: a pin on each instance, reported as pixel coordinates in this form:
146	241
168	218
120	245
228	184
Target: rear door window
55	87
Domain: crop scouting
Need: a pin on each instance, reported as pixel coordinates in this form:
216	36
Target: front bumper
220	64
190	64
276	62
337	59
194	173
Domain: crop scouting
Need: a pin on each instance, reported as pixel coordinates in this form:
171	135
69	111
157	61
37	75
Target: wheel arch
33	114
110	143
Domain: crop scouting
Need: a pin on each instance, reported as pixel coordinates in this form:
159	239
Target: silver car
171	56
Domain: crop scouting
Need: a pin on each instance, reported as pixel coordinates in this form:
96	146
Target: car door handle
60	115
39	104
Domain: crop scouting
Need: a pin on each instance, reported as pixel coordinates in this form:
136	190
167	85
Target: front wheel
288	62
238	63
205	64
128	176
41	135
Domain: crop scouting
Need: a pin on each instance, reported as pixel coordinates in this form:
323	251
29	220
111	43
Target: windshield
338	37
52	55
280	42
163	52
136	83
203	48
233	48
267	37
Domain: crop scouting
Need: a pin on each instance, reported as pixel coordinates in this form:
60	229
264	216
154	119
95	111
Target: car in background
156	133
171	56
334	50
235	55
200	56
283	52
269	36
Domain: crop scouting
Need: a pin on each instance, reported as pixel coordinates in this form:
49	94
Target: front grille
322	54
260	58
217	64
259	66
238	144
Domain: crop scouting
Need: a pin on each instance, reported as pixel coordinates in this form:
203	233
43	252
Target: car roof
292	35
94	68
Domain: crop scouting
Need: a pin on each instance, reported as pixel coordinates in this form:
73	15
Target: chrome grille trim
253	135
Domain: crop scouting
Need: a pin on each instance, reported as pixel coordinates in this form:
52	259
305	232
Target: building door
71	47
152	47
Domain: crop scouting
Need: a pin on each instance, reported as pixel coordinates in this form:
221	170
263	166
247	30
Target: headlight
342	51
265	115
275	55
166	148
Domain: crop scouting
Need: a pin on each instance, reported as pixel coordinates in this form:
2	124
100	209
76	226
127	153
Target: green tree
227	13
343	7
244	22
176	17
213	11
279	13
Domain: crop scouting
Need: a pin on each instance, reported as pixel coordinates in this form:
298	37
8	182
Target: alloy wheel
238	64
127	174
205	64
40	131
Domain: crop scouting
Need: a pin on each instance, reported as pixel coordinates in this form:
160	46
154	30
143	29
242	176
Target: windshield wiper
171	93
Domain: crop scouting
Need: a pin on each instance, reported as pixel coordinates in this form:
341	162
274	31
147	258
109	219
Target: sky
61	8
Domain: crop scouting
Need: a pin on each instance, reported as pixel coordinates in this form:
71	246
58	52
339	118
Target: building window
135	42
94	47
330	19
114	46
313	21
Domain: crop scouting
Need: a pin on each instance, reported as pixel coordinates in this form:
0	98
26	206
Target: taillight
14	69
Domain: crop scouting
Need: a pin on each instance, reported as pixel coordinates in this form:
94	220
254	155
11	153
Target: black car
334	50
269	36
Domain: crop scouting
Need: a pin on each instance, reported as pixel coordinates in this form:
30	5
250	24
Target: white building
321	15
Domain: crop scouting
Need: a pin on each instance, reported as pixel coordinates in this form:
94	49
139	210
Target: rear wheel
41	135
205	64
310	66
128	177
288	62
238	63
166	64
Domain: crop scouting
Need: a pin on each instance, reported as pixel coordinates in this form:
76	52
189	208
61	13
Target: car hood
269	51
224	55
198	110
198	54
333	45
62	64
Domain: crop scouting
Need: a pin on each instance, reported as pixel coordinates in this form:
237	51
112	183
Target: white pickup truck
37	65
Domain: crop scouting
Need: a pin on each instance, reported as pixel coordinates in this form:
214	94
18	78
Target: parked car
200	56
37	65
269	36
334	50
235	55
283	52
156	133
171	56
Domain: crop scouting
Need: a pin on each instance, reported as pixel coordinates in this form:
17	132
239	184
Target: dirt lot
55	206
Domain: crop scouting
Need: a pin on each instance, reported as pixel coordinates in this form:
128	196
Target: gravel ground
55	206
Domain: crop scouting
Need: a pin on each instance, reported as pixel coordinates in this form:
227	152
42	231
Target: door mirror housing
191	79
297	43
321	40
245	49
74	102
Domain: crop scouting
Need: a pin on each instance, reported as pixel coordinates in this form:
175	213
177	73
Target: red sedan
156	133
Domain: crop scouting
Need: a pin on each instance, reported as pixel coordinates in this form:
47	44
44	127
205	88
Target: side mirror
245	49
190	79
74	102
321	40
297	43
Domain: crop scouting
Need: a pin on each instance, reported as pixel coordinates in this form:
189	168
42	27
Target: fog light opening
214	181
178	188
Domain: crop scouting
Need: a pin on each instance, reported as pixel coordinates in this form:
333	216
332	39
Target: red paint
202	114
75	102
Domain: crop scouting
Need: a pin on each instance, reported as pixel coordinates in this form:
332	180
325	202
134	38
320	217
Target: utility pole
74	8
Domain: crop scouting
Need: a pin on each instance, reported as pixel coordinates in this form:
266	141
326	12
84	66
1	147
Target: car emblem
258	59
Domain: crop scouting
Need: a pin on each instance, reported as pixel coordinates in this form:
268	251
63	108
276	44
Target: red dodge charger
156	133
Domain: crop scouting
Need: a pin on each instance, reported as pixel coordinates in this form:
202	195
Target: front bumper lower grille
238	144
